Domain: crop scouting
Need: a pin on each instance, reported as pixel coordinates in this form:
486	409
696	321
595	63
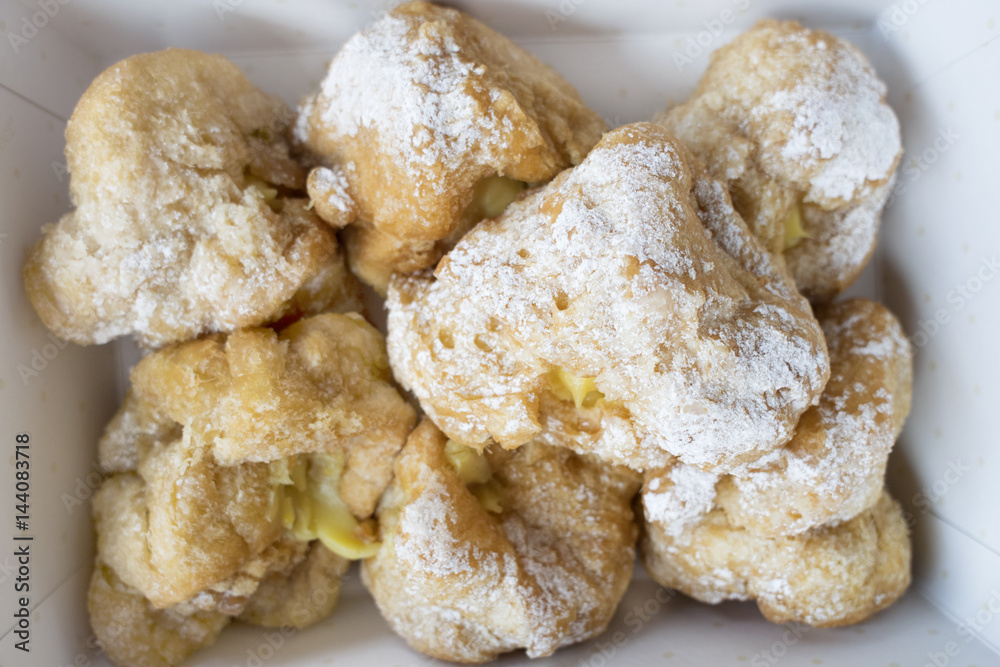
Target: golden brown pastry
628	287
826	577
795	122
300	595
294	593
236	463
808	531
186	218
834	467
331	289
418	116
182	523
133	632
322	384
487	553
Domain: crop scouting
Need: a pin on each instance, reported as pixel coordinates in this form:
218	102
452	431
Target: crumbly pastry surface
543	568
834	466
332	288
291	584
807	531
632	270
322	384
182	522
135	633
419	109
299	595
186	218
193	518
827	577
576	311
795	122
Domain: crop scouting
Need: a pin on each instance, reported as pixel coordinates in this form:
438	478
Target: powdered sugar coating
834	466
427	544
460	583
384	80
840	243
794	117
418	109
175	162
465	372
131	631
330	194
680	498
826	577
807	530
633	271
503	400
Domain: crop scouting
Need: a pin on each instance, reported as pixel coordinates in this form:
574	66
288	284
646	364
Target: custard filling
794	232
308	504
491	196
267	191
477	475
582	391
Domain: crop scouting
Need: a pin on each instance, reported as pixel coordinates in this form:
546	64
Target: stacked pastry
795	123
664	307
592	322
432	122
244	466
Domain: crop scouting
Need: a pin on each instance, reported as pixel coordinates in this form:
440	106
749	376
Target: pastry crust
790	117
322	384
298	596
331	289
632	269
462	583
300	586
834	466
135	633
192	516
417	110
184	523
186	218
826	577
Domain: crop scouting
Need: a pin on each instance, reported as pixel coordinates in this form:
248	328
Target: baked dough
186	218
294	593
827	577
183	523
331	289
632	273
230	456
537	561
834	467
134	633
322	384
299	595
417	115
796	124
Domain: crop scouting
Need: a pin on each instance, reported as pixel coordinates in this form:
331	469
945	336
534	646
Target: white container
628	59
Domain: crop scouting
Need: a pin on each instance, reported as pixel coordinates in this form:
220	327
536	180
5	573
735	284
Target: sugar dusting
429	544
800	534
175	237
608	272
834	467
795	117
680	499
411	88
840	122
333	183
546	571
